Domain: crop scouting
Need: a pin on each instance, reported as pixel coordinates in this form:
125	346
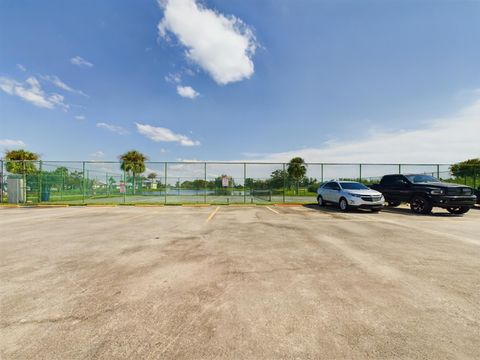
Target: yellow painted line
148	205
213	213
272	210
101	205
52	205
195	205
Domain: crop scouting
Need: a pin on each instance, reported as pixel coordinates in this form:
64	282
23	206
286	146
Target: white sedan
350	194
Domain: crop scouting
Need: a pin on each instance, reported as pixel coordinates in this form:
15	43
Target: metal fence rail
93	182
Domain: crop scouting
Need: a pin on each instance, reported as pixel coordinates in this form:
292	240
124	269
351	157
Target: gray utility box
15	190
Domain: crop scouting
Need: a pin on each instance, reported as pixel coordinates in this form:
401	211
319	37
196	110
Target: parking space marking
210	217
272	210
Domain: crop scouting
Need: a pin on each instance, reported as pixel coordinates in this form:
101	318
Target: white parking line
272	210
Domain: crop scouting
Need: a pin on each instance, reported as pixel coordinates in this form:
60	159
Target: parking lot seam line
212	214
293	204
272	210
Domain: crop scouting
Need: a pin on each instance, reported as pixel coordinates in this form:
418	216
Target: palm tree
133	162
21	161
297	170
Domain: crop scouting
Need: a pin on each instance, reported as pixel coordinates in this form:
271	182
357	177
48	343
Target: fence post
39	179
124	186
244	183
1	181
165	192
321	171
399	168
83	182
205	183
284	183
24	183
63	184
360	168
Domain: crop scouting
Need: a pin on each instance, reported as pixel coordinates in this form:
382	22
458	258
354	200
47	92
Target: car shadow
436	212
336	210
400	210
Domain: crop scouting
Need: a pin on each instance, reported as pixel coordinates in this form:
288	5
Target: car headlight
436	192
354	195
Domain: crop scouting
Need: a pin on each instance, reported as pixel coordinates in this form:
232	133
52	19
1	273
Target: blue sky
372	81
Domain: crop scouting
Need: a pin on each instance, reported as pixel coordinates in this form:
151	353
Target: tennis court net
265	195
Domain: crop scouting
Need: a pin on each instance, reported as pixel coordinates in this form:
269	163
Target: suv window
335	186
332	185
328	185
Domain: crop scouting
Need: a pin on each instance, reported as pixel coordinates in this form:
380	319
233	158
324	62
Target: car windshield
422	179
353	186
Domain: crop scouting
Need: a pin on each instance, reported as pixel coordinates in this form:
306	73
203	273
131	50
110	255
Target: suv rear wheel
320	200
420	205
458	210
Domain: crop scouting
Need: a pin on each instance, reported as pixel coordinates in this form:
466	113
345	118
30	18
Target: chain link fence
93	182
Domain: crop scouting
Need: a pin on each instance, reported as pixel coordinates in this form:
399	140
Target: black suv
423	192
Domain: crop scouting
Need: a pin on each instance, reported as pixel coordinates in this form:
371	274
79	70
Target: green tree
21	161
297	170
133	162
278	178
467	168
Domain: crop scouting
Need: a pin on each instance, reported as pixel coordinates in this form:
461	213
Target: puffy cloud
55	80
32	92
160	134
11	144
444	140
21	67
80	117
187	92
221	45
81	62
112	128
98	154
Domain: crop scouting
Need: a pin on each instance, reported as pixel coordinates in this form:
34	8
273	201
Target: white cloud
221	45
159	134
79	61
445	140
112	128
55	80
97	154
32	92
175	78
187	92
11	144
21	67
80	117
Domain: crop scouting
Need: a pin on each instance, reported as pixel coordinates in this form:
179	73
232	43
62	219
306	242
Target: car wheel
393	203
343	204
420	205
320	200
458	210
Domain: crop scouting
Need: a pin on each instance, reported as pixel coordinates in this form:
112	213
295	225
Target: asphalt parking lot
258	282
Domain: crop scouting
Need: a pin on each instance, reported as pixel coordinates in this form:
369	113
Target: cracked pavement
238	282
